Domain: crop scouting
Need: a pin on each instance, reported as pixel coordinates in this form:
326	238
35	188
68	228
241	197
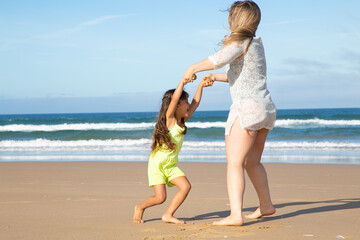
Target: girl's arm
196	100
173	104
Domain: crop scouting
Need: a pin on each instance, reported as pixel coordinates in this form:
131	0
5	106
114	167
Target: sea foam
285	123
131	145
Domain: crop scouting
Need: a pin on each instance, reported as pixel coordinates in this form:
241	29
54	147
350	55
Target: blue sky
116	56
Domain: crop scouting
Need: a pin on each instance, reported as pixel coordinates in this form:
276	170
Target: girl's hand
208	80
189	76
185	80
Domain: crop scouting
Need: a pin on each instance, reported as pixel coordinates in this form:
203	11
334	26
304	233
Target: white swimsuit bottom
252	116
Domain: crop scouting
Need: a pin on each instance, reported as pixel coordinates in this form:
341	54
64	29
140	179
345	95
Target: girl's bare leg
184	188
237	145
258	176
160	197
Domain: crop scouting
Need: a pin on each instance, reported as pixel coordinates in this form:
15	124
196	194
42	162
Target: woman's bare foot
138	214
229	221
261	212
171	219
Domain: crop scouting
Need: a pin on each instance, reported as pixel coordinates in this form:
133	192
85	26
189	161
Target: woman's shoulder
232	47
244	43
257	40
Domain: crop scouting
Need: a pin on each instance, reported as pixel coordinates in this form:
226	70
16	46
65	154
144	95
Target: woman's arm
228	54
225	56
203	65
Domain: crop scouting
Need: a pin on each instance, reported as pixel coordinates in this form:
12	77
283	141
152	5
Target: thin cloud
350	56
94	22
351	17
63	32
309	63
301	67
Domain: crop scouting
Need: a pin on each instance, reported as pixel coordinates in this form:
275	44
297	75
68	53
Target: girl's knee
185	188
188	187
160	198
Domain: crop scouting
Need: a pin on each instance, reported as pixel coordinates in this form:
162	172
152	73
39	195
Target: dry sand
95	200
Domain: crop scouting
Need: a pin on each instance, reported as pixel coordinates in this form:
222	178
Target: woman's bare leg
237	145
184	188
258	176
160	197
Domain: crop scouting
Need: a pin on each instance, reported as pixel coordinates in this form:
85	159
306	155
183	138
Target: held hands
189	75
208	80
190	79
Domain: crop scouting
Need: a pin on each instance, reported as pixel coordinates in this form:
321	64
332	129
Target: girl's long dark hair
161	135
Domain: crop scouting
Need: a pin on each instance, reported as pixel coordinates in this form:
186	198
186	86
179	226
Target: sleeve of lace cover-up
227	54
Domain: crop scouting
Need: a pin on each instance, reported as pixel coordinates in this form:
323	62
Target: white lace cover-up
251	101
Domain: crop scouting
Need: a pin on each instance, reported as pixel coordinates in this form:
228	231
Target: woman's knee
249	165
235	165
235	162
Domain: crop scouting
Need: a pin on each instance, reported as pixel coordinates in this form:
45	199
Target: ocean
319	136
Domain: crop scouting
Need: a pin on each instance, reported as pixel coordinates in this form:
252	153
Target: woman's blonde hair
244	18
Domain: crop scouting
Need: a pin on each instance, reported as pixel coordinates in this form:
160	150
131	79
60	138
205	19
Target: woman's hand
208	80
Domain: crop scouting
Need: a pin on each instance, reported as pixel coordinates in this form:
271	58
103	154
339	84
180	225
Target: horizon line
281	109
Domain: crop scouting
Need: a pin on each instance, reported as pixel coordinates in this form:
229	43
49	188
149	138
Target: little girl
167	141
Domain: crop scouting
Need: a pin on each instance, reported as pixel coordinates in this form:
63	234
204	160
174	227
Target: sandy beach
95	200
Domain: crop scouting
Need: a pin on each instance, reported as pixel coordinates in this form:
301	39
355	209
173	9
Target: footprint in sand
181	229
263	227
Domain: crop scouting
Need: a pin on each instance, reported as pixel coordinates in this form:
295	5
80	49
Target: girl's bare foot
171	219
229	221
138	214
261	212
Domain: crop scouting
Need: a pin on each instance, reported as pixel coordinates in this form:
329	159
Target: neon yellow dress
162	162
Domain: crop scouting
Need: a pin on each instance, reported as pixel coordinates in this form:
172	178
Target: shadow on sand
331	205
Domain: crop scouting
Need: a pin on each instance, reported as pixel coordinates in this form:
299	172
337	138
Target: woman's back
247	74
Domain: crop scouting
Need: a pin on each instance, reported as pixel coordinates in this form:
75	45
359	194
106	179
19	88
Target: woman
252	113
